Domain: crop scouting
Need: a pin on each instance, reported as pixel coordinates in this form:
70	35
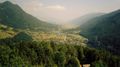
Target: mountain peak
7	2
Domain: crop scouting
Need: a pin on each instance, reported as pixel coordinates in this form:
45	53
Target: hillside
12	15
84	19
105	30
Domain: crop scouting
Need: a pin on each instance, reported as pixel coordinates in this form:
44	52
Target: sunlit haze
61	11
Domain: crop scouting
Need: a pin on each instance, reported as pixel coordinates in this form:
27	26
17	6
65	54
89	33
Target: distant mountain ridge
12	15
85	18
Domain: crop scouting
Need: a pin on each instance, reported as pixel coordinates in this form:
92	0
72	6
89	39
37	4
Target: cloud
37	6
43	10
33	6
56	7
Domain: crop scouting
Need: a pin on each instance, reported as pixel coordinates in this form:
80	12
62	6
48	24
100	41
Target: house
85	65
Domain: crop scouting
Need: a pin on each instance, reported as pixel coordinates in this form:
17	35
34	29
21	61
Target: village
59	38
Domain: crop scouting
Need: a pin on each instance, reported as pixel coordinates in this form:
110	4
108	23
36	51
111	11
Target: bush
73	62
99	64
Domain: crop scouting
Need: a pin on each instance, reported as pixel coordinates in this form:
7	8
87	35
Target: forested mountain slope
12	15
105	30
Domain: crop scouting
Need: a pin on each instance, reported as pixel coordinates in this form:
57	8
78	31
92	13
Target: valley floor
63	38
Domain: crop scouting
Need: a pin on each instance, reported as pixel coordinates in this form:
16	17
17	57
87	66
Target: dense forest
27	53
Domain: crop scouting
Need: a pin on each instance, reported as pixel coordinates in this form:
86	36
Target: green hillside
105	30
12	15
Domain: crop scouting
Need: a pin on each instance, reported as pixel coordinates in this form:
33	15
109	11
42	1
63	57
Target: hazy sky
65	10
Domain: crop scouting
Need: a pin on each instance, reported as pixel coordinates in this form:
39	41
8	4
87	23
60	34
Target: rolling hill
12	15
